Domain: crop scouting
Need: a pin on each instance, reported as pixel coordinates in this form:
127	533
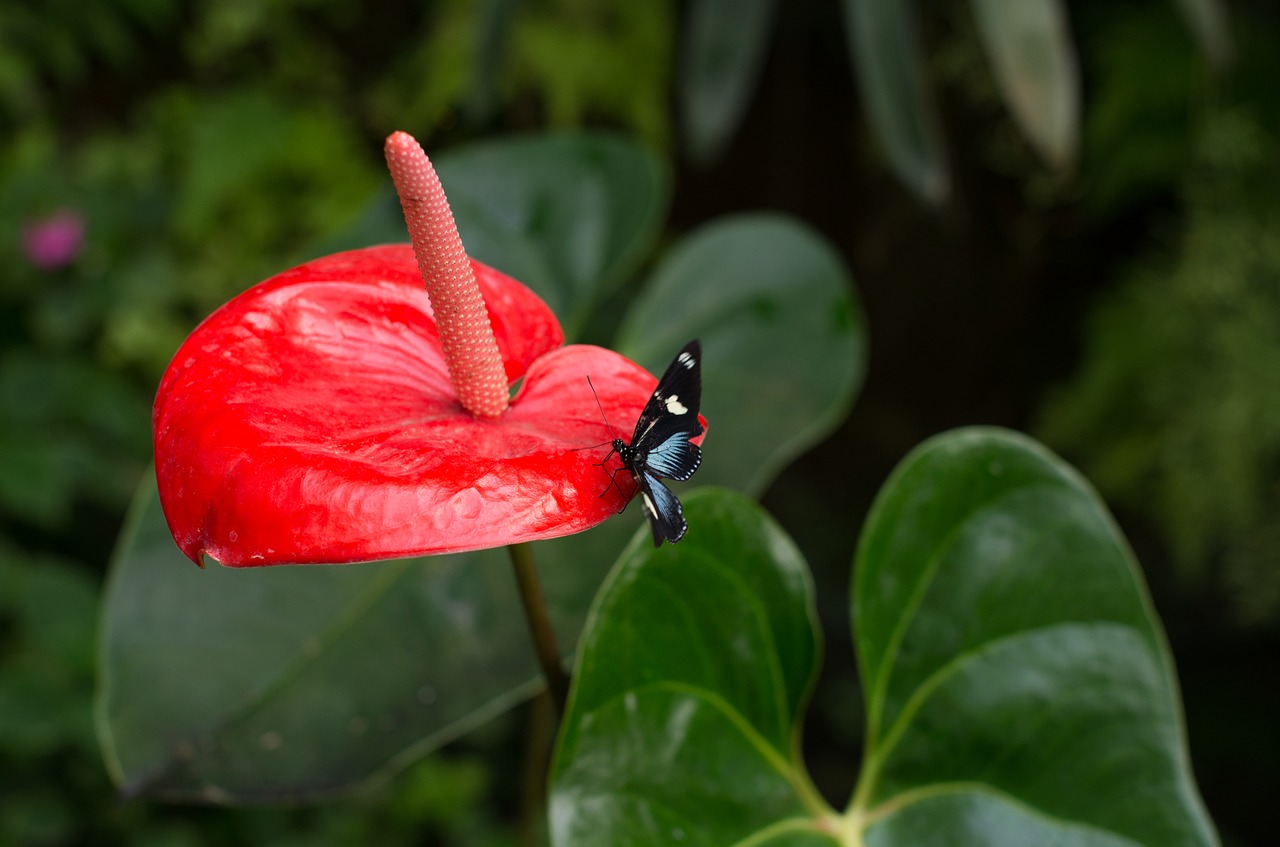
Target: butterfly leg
613	481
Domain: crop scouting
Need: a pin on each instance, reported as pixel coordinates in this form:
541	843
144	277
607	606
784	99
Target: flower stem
544	636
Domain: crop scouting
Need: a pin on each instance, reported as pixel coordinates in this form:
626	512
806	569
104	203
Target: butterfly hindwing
666	517
675	458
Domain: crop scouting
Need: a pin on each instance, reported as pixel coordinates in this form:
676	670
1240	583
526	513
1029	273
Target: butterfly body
662	447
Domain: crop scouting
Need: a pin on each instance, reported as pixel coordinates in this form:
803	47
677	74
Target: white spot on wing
648	504
686	360
674	406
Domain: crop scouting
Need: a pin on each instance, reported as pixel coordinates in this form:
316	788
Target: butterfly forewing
673	409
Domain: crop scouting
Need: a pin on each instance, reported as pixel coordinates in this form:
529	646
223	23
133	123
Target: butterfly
662	448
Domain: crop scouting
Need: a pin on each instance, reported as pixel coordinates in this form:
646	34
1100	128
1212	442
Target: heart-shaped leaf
1019	688
288	683
783	339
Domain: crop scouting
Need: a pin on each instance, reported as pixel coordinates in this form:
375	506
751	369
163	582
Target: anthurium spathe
316	417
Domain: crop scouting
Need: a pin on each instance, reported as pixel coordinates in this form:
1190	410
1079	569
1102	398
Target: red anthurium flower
316	417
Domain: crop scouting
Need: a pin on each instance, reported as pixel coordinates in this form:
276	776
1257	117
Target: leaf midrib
876	754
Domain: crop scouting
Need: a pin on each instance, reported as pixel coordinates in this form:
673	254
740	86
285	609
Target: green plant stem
544	636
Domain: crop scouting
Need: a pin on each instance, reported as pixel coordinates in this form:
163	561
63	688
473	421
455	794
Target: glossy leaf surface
1032	54
890	75
723	52
291	683
1019	689
689	683
783	339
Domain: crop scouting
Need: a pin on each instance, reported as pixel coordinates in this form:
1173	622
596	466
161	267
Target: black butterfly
661	444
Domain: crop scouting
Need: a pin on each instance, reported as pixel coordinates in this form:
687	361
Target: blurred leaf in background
724	45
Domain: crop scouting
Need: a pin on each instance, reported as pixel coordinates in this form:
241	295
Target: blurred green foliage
1138	136
559	63
1170	411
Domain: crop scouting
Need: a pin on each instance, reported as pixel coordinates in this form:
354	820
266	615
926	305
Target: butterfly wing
661	507
675	458
670	418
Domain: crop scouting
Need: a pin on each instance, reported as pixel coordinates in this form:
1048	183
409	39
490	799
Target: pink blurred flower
53	242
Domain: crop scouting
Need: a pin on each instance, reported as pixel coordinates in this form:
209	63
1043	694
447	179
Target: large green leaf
569	216
891	79
1020	692
1019	688
696	663
287	683
722	54
1029	42
783	340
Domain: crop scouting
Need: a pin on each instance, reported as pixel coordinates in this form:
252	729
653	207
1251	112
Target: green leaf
1208	20
783	340
289	683
569	216
1020	692
1030	45
689	683
723	54
1019	687
890	77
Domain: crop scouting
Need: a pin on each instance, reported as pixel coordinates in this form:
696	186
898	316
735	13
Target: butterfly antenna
601	408
613	435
